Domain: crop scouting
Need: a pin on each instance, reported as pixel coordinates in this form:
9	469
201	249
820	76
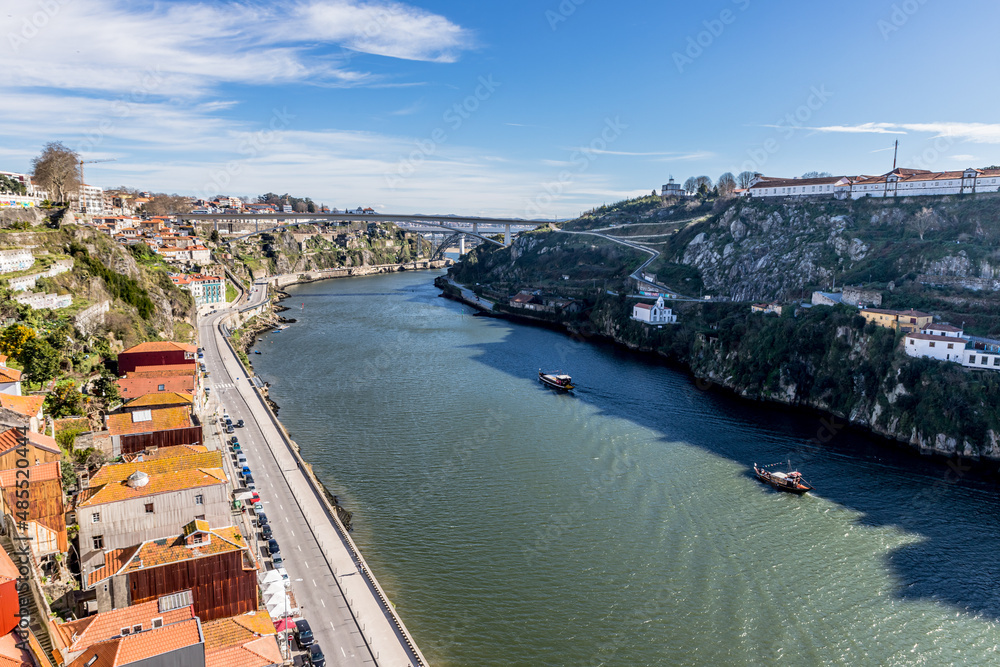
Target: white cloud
980	133
189	47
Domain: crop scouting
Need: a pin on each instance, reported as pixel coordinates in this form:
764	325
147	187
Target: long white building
900	182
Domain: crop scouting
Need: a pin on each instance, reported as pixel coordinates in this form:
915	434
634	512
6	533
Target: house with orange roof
12	653
132	502
216	565
72	638
139	384
157	353
247	640
175	645
164	453
900	320
148	428
45	516
37	448
10	378
25	411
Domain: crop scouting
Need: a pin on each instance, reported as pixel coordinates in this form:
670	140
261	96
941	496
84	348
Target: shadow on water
950	507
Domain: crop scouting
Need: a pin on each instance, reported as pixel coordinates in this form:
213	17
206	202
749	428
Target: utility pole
895	153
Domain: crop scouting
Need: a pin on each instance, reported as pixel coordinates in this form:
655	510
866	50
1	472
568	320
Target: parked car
255	498
272	546
234	440
225	417
265	532
245	470
261	519
303	633
316	657
277	561
248	480
229	428
237	448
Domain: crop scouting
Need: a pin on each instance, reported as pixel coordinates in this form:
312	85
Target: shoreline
987	467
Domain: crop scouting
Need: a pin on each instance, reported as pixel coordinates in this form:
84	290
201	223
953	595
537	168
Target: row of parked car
303	633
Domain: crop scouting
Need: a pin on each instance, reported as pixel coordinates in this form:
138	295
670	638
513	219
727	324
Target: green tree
214	236
65	400
107	387
40	360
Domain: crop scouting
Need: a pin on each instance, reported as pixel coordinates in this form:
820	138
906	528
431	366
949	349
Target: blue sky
515	108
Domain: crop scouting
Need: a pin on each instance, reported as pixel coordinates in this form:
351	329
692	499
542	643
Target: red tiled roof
162	419
644	306
25	405
161	346
78	635
167	370
11	655
946	339
942	327
36	473
236	630
8	570
260	652
9	374
142	646
138	386
793	182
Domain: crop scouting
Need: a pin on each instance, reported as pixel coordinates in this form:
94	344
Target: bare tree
703	180
923	221
745	179
300	207
817	174
726	184
57	170
691	186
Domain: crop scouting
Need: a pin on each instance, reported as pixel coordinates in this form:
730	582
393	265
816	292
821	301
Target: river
620	525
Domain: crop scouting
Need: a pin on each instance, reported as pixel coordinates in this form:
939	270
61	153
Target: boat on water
791	482
256	351
556	380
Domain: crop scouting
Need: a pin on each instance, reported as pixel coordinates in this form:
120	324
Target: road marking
314	583
342	651
306	564
324	604
299	546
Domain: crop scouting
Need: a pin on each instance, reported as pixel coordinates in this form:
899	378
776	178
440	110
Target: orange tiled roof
162	419
37	473
166	453
257	653
160	398
78	635
236	630
9	374
11	655
11	438
156	553
172	370
24	405
161	346
163	483
139	386
133	648
159	465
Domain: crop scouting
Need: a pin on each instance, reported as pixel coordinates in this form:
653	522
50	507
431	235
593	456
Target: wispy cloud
981	133
103	45
663	156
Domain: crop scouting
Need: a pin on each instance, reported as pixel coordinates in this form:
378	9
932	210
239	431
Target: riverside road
329	587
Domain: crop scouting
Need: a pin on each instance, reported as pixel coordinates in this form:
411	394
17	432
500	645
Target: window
137	628
198	538
986	360
913	342
98	541
996	361
158	622
149	508
199	499
972	358
932	344
200	517
95	517
161	387
951	346
125	631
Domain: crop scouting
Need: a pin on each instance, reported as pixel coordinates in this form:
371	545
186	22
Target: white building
656	313
671	189
982	359
39	300
900	182
17	259
10	378
91	200
935	346
765	186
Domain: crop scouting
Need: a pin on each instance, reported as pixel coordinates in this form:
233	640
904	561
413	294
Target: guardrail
317	490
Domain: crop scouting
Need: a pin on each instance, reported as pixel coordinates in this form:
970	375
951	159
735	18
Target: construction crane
83	162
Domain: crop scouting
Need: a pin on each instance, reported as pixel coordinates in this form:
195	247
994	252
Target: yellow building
902	320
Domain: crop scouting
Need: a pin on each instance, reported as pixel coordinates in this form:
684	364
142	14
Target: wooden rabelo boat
556	380
791	482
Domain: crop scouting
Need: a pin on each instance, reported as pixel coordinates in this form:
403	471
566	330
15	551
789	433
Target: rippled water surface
617	526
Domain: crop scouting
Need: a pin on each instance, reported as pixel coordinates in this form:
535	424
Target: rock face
759	250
